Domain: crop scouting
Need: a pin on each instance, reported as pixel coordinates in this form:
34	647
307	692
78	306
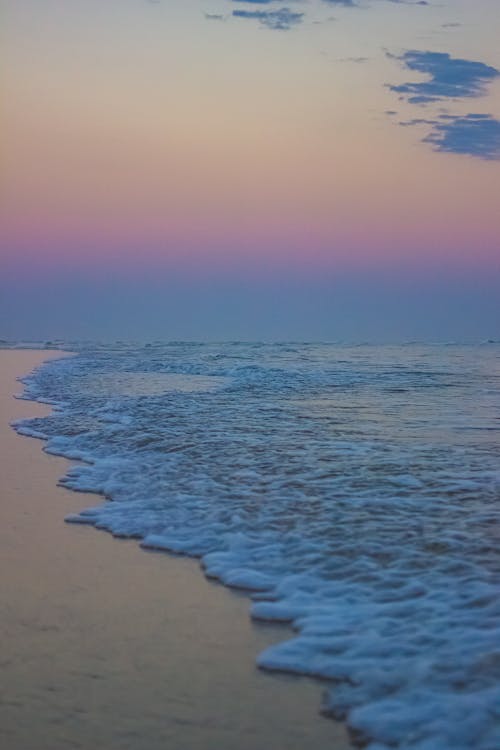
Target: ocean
353	491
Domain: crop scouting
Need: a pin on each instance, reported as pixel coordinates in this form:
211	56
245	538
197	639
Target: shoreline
107	646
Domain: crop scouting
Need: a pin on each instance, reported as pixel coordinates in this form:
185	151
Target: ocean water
354	491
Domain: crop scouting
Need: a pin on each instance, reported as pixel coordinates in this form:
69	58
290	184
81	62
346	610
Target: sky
250	169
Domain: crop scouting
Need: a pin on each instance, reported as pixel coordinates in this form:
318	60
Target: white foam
339	486
28	431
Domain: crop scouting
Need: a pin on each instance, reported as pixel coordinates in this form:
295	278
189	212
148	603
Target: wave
353	492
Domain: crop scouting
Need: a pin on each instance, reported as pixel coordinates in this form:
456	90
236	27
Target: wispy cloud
345	3
262	2
358	60
471	134
449	77
366	3
258	2
282	19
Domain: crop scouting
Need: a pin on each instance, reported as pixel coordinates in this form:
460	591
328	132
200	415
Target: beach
106	646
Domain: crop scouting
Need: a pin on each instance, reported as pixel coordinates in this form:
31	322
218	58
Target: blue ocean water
353	490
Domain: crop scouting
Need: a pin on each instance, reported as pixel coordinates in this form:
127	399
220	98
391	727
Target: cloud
450	77
265	2
282	19
472	134
358	60
360	4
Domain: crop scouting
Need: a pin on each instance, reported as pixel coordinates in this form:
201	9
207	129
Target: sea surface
354	491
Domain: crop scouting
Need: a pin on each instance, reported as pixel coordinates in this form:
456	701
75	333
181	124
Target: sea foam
353	490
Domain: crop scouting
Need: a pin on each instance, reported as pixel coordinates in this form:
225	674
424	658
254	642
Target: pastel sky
219	169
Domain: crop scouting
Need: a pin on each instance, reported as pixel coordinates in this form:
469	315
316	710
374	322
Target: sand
105	646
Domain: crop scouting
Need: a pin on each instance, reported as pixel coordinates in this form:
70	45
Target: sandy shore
105	646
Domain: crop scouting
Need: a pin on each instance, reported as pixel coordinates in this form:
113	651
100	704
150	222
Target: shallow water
354	490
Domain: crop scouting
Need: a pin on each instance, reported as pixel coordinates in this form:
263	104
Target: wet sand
105	646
